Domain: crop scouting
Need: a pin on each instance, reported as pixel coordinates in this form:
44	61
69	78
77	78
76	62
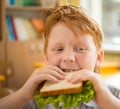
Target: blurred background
21	28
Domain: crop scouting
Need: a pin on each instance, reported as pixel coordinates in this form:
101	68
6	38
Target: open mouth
70	70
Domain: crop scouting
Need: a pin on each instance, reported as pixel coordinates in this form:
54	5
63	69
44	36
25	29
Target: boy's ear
100	57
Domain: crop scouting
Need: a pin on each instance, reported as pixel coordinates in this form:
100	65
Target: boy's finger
57	69
55	74
48	77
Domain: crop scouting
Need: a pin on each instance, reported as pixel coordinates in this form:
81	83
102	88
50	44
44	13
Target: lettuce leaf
68	100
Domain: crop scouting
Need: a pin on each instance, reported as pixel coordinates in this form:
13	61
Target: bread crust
62	87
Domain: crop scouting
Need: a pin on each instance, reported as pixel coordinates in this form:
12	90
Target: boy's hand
49	72
102	95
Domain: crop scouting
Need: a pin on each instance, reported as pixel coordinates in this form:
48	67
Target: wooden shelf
2	22
26	8
26	11
22	55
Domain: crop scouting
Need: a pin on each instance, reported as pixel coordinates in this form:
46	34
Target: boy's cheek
87	65
88	62
53	60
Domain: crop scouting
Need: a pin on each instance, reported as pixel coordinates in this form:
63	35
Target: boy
73	42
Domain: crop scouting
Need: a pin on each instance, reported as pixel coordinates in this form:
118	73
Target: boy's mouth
70	70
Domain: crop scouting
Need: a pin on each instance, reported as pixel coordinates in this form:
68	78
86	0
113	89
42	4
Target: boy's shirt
91	105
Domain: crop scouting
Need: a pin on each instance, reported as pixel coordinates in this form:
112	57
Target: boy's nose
69	57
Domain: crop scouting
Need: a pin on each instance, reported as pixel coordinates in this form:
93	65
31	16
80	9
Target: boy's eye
79	49
58	49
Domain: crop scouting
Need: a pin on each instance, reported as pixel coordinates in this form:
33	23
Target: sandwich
62	87
65	93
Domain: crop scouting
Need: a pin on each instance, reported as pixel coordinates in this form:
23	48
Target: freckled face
69	52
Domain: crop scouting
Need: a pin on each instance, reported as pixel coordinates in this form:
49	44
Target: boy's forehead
61	32
61	28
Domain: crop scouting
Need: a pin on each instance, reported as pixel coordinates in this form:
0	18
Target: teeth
71	70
